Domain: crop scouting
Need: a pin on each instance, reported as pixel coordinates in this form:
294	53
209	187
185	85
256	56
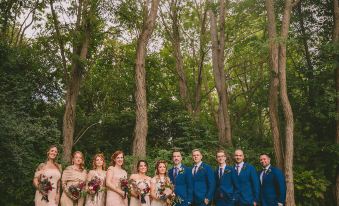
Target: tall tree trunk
274	84
288	113
80	48
202	53
278	55
183	89
336	58
218	46
141	126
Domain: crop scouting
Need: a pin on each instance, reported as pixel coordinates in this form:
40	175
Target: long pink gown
156	181
54	176
113	198
100	198
72	176
136	201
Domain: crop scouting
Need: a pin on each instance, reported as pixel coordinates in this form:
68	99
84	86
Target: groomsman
273	187
247	177
203	180
181	177
226	179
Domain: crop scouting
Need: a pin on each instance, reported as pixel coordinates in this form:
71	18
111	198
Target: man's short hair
196	150
220	151
265	153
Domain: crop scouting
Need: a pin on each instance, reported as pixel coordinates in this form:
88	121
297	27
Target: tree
218	61
81	43
278	58
336	65
274	84
141	124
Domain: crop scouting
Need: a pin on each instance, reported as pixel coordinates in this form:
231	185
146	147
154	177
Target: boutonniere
200	168
268	171
227	171
243	167
181	170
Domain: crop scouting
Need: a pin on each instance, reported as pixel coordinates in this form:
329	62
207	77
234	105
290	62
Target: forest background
252	74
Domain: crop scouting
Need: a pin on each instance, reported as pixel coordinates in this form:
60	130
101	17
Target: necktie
175	172
237	168
195	169
220	173
262	175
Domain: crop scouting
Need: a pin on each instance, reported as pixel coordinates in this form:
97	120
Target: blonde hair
228	157
196	150
115	155
101	155
54	161
82	165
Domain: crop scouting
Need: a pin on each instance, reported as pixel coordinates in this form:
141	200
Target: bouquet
166	192
45	186
76	191
94	186
124	184
143	189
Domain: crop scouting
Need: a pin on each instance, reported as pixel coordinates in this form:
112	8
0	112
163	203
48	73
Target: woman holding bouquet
47	180
96	179
161	187
116	176
74	182
140	186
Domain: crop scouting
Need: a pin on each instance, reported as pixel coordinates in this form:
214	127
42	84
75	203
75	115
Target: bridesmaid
99	167
115	195
141	180
50	170
75	175
156	182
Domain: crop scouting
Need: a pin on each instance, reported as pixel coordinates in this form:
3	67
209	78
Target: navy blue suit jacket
203	184
273	187
183	186
249	185
226	186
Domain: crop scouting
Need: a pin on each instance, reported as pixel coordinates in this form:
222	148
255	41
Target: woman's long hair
82	164
101	155
54	161
115	155
157	165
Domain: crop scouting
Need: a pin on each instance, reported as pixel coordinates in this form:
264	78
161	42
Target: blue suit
273	187
249	186
203	184
183	186
227	187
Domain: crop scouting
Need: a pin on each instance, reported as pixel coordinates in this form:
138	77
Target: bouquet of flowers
45	186
143	189
94	186
124	184
166	192
76	191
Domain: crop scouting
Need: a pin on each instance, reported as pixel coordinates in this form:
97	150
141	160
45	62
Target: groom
181	177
